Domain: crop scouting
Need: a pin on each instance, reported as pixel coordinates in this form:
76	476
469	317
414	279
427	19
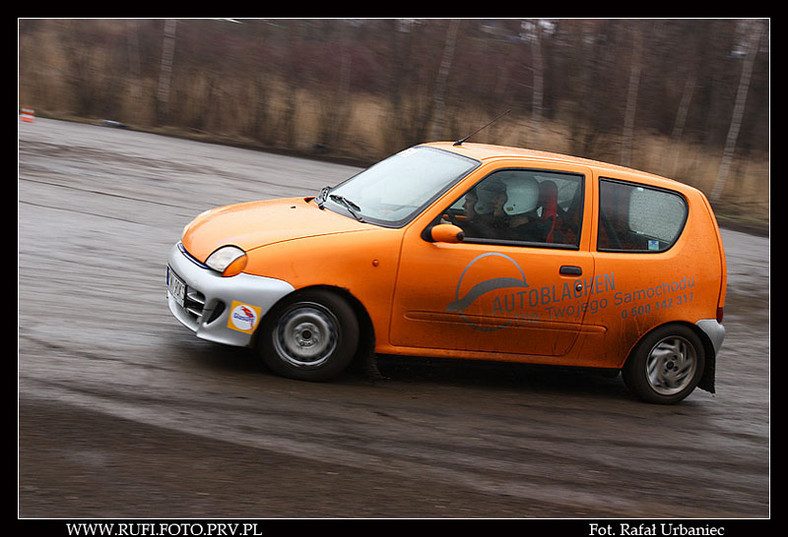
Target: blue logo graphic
461	303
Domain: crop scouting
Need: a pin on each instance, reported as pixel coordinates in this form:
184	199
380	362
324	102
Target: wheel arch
707	379
366	342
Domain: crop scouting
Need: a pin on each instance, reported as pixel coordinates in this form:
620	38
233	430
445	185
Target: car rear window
634	217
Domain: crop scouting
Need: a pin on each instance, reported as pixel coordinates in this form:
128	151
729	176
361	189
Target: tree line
289	82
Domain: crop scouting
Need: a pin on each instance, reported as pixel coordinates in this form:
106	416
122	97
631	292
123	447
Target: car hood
260	223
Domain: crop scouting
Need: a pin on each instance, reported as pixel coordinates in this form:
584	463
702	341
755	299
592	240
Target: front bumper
215	308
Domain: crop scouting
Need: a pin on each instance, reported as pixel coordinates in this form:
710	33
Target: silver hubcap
306	335
671	365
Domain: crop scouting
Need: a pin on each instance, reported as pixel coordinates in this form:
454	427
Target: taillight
719	315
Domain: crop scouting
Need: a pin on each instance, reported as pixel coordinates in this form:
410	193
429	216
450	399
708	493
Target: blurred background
684	98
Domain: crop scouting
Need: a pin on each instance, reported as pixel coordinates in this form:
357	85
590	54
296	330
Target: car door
517	284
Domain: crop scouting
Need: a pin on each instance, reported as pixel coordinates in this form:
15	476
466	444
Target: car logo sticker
493	284
243	317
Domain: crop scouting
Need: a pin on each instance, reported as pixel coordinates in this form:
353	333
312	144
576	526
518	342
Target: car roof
489	152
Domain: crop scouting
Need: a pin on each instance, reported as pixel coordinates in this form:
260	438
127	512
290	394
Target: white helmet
486	193
522	193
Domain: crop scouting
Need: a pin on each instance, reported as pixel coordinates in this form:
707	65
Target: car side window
635	217
529	207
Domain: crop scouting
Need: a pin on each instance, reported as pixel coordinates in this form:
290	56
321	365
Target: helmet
486	193
522	194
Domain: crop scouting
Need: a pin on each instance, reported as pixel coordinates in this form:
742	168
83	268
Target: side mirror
447	233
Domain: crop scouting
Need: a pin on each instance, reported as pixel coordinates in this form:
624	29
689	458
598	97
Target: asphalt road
123	413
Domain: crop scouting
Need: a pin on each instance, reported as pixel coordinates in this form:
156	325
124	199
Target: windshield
392	192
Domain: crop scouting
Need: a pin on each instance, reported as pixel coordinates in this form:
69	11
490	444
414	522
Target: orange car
468	251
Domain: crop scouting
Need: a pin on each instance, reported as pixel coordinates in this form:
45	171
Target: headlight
227	260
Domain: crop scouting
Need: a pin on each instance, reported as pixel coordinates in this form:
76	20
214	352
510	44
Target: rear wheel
666	366
311	336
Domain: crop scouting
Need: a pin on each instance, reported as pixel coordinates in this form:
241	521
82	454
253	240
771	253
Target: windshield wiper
349	205
321	198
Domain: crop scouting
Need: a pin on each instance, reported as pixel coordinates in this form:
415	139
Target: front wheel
311	336
666	366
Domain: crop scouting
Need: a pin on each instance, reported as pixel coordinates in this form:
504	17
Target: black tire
312	335
666	366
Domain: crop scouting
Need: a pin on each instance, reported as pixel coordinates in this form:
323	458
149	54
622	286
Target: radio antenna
474	133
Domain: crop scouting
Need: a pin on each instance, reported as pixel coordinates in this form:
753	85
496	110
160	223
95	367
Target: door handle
570	270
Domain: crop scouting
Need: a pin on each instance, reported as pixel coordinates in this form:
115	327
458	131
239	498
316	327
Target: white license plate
176	286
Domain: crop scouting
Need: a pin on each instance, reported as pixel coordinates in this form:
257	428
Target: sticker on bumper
243	317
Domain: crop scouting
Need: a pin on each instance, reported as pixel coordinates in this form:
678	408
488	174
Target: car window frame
582	191
419	210
635	184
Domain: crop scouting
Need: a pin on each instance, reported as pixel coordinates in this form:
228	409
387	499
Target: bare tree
635	68
165	74
532	32
756	29
443	75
